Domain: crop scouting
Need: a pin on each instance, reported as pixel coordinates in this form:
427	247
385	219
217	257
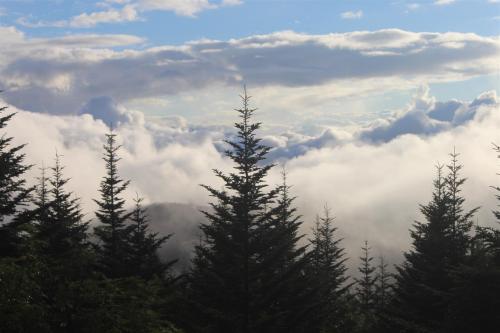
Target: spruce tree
328	272
230	279
366	283
288	279
366	291
382	285
144	245
489	237
423	278
61	233
112	233
14	192
473	300
41	199
460	221
62	248
383	297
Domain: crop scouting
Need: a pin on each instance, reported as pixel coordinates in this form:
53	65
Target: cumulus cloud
60	75
350	15
374	190
107	110
425	116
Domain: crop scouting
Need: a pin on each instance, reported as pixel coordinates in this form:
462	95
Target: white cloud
425	116
374	190
130	12
352	15
317	67
180	7
87	20
443	2
126	14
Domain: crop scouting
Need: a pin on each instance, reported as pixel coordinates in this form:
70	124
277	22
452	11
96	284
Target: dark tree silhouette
423	278
366	291
328	272
14	192
112	233
460	221
232	275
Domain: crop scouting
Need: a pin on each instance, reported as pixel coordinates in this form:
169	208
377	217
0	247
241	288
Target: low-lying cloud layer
373	178
62	78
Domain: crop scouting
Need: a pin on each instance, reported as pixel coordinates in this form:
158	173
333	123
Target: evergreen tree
474	299
423	279
14	193
60	232
112	233
144	246
61	247
490	236
460	221
367	282
440	248
382	285
288	278
383	297
366	291
328	271
41	199
230	280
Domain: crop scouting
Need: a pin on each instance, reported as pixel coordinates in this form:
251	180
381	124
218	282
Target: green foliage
22	306
423	278
249	272
245	244
14	193
328	272
112	232
60	233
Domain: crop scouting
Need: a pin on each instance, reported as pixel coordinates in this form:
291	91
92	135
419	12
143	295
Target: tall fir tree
382	285
231	276
489	237
366	283
288	261
460	221
423	279
112	233
62	248
144	246
329	279
440	247
41	199
61	233
14	192
366	291
383	297
474	298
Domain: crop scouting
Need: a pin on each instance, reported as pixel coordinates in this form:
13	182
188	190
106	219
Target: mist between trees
250	269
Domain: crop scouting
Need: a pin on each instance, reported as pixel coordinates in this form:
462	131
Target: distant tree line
252	270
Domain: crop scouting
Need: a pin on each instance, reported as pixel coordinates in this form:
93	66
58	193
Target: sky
360	99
